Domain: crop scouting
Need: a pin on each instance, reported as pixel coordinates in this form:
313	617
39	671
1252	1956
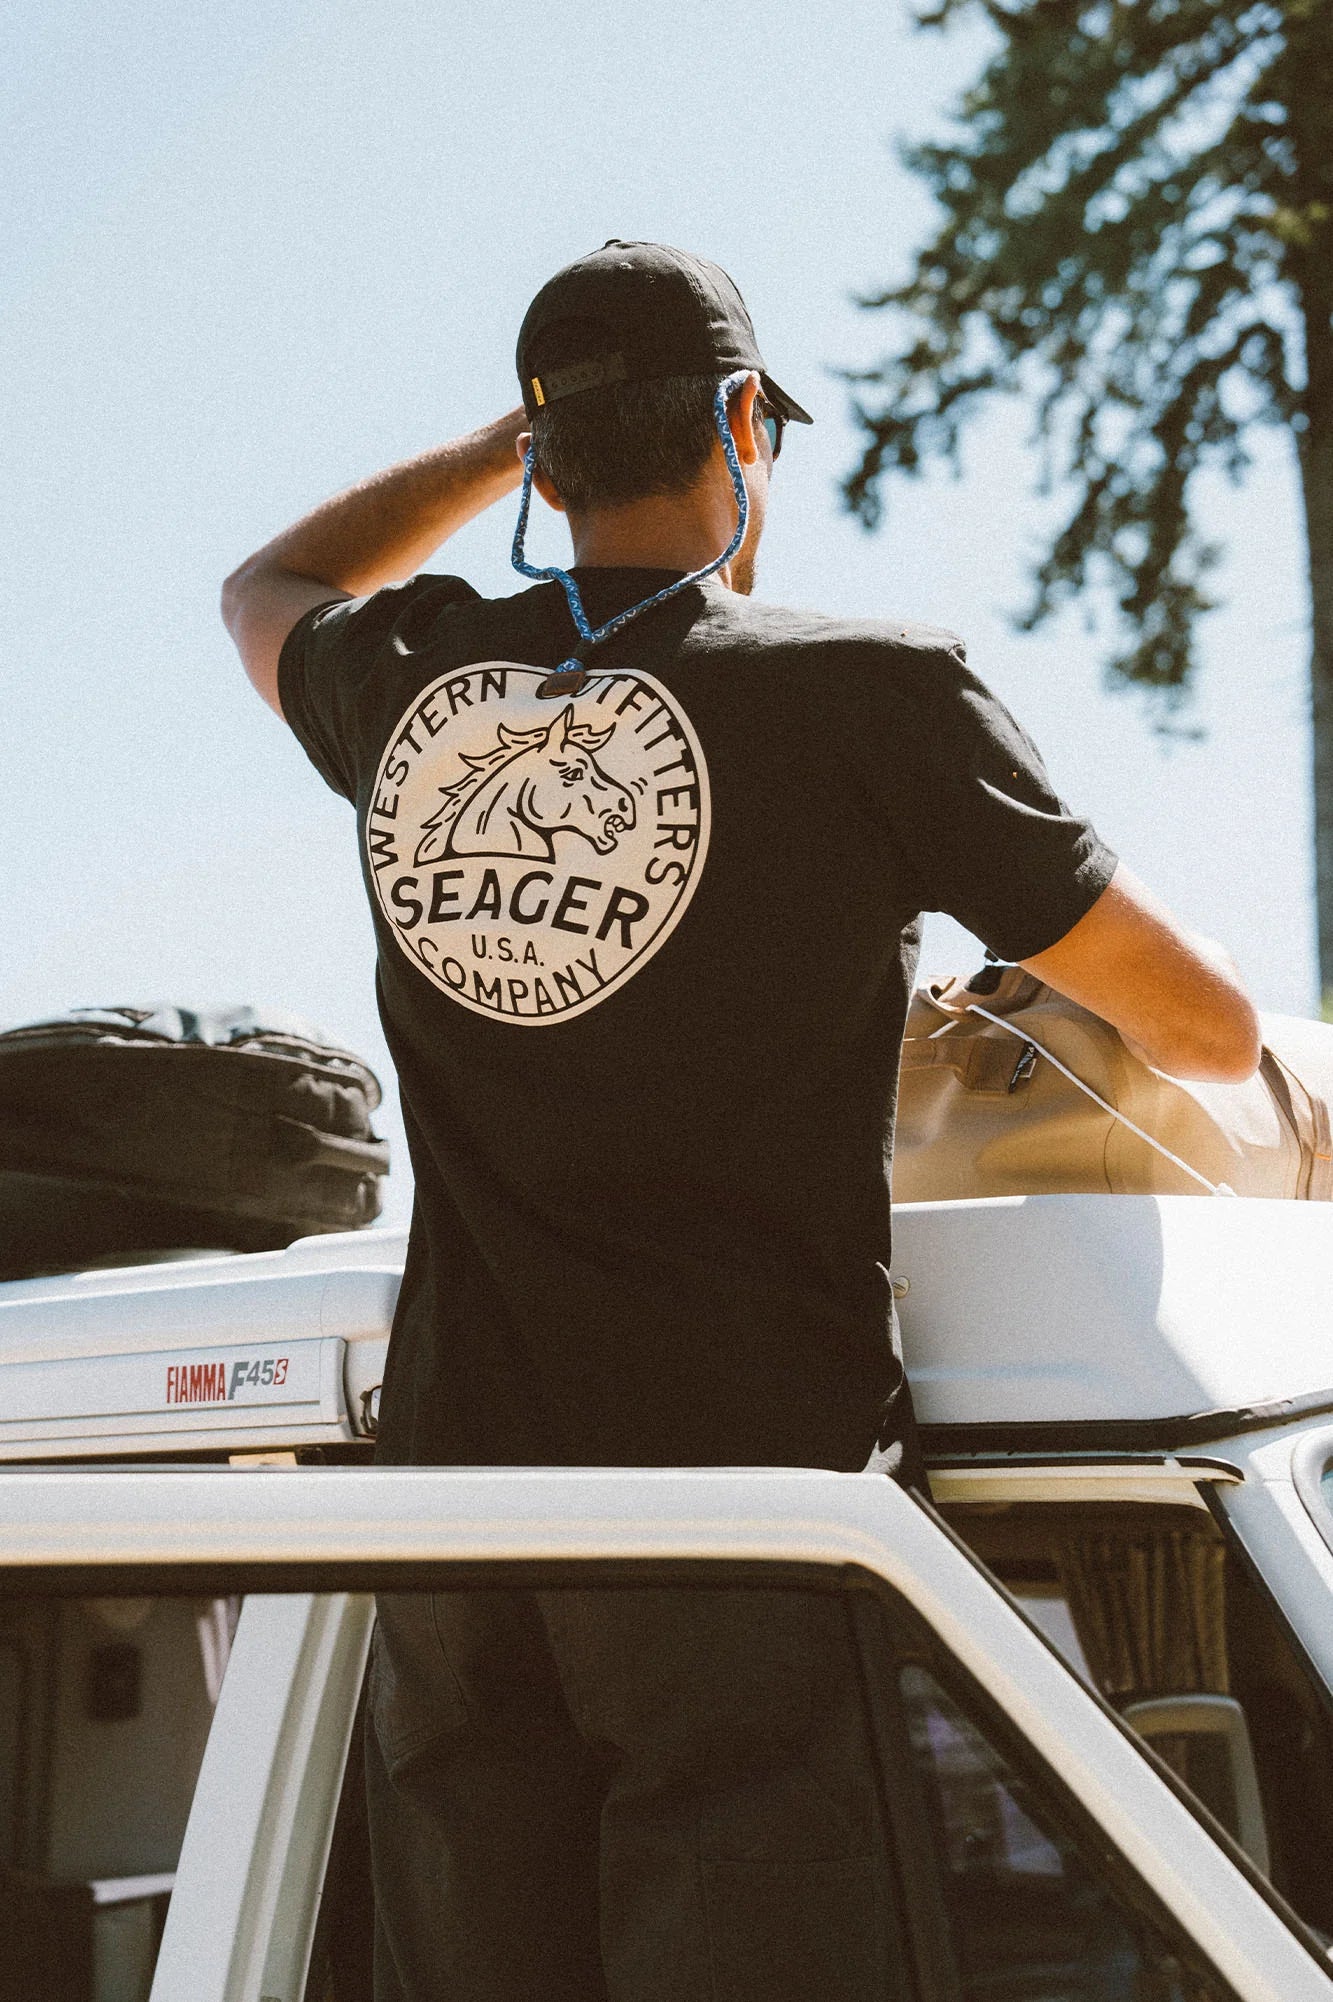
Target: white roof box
1035	1323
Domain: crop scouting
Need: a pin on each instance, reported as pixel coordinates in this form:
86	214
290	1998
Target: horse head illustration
531	786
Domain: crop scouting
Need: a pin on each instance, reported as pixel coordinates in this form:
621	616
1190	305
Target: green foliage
1136	216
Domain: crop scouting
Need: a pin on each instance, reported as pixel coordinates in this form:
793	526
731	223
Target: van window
1148	1602
1030	1914
105	1708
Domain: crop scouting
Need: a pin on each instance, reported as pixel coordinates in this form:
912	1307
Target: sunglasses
775	424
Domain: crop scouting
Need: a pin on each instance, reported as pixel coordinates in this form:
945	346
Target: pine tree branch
1126	222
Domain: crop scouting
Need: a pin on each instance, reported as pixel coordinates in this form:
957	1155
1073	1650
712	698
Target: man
647	902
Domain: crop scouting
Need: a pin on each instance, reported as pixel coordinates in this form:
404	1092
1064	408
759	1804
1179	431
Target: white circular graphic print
533	853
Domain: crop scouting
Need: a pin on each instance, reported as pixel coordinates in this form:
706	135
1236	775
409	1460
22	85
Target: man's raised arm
376	533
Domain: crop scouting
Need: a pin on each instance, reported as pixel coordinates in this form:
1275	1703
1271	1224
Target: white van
1096	1678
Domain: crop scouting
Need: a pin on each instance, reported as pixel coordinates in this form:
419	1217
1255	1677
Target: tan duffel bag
1007	1088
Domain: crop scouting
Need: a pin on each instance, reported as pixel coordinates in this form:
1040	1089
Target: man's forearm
385	528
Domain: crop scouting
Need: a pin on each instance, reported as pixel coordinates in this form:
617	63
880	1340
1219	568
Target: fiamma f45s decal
217	1396
259	1379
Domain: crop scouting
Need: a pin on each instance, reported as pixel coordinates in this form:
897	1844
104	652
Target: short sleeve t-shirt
644	957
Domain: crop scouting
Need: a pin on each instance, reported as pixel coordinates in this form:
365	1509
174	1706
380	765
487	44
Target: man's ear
539	479
546	490
742	420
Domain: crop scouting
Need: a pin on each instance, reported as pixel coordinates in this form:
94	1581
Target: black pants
626	1795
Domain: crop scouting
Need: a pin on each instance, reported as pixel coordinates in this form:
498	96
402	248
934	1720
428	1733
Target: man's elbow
1222	1044
248	614
233	596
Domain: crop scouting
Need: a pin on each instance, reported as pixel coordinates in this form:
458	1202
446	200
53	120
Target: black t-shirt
644	961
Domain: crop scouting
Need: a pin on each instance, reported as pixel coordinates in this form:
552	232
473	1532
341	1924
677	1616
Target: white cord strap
1213	1188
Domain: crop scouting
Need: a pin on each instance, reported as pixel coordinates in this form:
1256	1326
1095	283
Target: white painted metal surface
1274	1522
1311	1456
138	1401
1052	1309
242	1915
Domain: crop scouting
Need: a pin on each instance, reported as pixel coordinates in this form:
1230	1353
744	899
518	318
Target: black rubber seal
1119	1435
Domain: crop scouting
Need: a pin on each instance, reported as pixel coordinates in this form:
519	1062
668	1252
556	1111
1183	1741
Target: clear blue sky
248	254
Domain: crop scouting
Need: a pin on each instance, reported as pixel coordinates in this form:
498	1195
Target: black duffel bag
141	1130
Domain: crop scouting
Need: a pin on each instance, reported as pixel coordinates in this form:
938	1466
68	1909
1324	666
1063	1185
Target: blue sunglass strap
569	676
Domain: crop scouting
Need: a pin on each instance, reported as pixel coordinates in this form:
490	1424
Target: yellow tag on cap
537	392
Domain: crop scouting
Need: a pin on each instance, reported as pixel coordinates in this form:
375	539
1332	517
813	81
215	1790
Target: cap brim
785	405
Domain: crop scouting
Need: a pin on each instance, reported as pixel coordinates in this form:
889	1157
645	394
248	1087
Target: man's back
646	926
645	954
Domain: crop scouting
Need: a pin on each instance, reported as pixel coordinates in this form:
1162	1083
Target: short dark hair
627	441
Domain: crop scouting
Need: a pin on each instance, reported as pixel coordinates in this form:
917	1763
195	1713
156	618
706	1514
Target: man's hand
373	534
1175	995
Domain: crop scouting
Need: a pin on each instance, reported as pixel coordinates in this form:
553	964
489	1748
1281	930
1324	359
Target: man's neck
680	532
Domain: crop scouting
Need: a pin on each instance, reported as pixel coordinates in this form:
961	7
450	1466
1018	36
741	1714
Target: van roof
1029	1323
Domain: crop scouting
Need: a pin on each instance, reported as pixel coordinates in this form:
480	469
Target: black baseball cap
630	312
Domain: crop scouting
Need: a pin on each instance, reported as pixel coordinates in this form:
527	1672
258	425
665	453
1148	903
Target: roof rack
1067	1325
